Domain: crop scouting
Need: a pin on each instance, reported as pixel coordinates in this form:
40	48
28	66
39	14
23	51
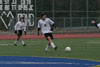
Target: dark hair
21	18
43	14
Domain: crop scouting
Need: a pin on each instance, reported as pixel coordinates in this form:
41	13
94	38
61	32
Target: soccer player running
95	24
20	27
46	26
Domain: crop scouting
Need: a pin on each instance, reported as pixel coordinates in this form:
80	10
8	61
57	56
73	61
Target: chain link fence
60	22
65	13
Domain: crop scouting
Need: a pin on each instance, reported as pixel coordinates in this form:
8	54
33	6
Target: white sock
52	44
23	42
16	42
47	47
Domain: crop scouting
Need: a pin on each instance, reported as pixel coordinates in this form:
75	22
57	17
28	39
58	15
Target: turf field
82	48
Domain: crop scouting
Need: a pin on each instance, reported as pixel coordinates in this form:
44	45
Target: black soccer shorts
48	35
19	33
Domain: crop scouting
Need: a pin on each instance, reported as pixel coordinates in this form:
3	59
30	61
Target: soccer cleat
47	50
24	44
55	48
15	44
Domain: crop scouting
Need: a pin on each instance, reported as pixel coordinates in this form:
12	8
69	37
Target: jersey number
45	25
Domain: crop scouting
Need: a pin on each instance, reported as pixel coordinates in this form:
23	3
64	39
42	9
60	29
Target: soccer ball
68	49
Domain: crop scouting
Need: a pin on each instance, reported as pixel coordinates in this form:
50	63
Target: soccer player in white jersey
20	27
46	26
95	24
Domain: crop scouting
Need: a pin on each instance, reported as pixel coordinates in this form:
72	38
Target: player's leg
23	43
47	47
18	37
50	39
19	34
51	42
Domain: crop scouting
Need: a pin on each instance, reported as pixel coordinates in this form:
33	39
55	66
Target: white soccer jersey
98	25
45	25
20	26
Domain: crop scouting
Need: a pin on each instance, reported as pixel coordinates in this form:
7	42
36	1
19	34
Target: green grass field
82	48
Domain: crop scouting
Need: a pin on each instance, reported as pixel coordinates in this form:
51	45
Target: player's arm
38	28
95	24
16	26
38	31
51	24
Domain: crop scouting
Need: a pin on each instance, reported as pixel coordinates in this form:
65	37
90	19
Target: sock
23	42
16	42
52	44
47	47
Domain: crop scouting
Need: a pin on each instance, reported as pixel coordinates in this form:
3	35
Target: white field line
13	44
93	42
43	63
38	42
1	44
5	44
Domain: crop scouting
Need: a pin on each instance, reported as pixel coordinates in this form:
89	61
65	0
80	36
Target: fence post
53	9
87	14
64	22
70	13
35	13
82	21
